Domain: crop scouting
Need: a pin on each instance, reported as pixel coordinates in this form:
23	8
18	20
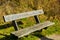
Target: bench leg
15	25
37	19
14	37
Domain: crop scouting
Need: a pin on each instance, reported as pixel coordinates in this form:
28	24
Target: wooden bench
23	32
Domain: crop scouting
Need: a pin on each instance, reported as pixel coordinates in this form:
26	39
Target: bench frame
6	17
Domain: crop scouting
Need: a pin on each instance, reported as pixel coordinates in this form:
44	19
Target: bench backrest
14	17
22	15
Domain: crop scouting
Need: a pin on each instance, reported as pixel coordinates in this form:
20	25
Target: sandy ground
54	37
51	37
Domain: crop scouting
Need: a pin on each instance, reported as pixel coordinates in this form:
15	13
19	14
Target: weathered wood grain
26	31
22	15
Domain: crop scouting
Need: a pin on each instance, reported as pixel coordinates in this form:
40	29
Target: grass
52	29
30	37
26	22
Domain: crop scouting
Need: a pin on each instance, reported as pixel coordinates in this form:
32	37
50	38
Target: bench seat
28	30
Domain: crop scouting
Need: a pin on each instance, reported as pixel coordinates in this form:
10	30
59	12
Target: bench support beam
37	19
15	25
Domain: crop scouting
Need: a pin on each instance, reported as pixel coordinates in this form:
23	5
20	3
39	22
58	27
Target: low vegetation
51	12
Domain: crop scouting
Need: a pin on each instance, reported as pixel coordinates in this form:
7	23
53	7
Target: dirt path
54	37
51	37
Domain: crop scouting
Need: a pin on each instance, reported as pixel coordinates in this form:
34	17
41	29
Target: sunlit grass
52	29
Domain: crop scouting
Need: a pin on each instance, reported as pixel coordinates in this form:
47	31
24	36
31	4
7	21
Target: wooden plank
26	31
22	15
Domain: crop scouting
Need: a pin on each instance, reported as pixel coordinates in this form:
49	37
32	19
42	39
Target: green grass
5	32
52	29
30	37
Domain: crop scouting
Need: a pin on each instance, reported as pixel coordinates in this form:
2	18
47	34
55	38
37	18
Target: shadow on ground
11	37
5	26
9	25
42	37
8	37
